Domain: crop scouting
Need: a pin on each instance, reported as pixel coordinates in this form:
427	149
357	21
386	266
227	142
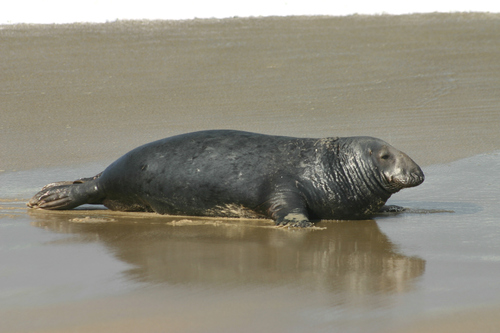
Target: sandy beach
76	97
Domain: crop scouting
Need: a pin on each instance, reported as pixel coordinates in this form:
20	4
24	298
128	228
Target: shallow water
442	255
76	97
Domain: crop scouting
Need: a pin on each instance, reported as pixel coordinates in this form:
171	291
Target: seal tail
67	194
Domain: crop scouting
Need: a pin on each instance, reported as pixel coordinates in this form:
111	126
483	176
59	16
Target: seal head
397	170
355	177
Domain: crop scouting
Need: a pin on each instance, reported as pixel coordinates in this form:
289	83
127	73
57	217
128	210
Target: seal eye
385	157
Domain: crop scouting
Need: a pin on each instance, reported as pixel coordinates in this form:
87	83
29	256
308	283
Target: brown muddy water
76	97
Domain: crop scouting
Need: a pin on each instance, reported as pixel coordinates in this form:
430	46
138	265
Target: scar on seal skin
225	173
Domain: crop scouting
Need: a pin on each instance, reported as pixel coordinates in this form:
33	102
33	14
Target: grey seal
228	173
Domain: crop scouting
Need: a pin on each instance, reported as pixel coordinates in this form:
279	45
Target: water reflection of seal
241	174
348	259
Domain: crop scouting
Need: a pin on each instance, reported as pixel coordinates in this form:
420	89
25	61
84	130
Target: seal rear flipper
66	195
70	182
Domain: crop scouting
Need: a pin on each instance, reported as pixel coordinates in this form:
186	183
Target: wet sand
78	93
76	97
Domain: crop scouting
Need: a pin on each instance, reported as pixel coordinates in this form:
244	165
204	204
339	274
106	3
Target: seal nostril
416	178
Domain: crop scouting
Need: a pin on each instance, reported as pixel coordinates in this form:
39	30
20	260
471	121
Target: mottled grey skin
240	174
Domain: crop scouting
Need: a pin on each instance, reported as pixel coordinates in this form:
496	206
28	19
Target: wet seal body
228	173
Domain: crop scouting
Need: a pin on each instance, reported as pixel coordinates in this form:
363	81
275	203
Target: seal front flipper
67	195
296	220
288	208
